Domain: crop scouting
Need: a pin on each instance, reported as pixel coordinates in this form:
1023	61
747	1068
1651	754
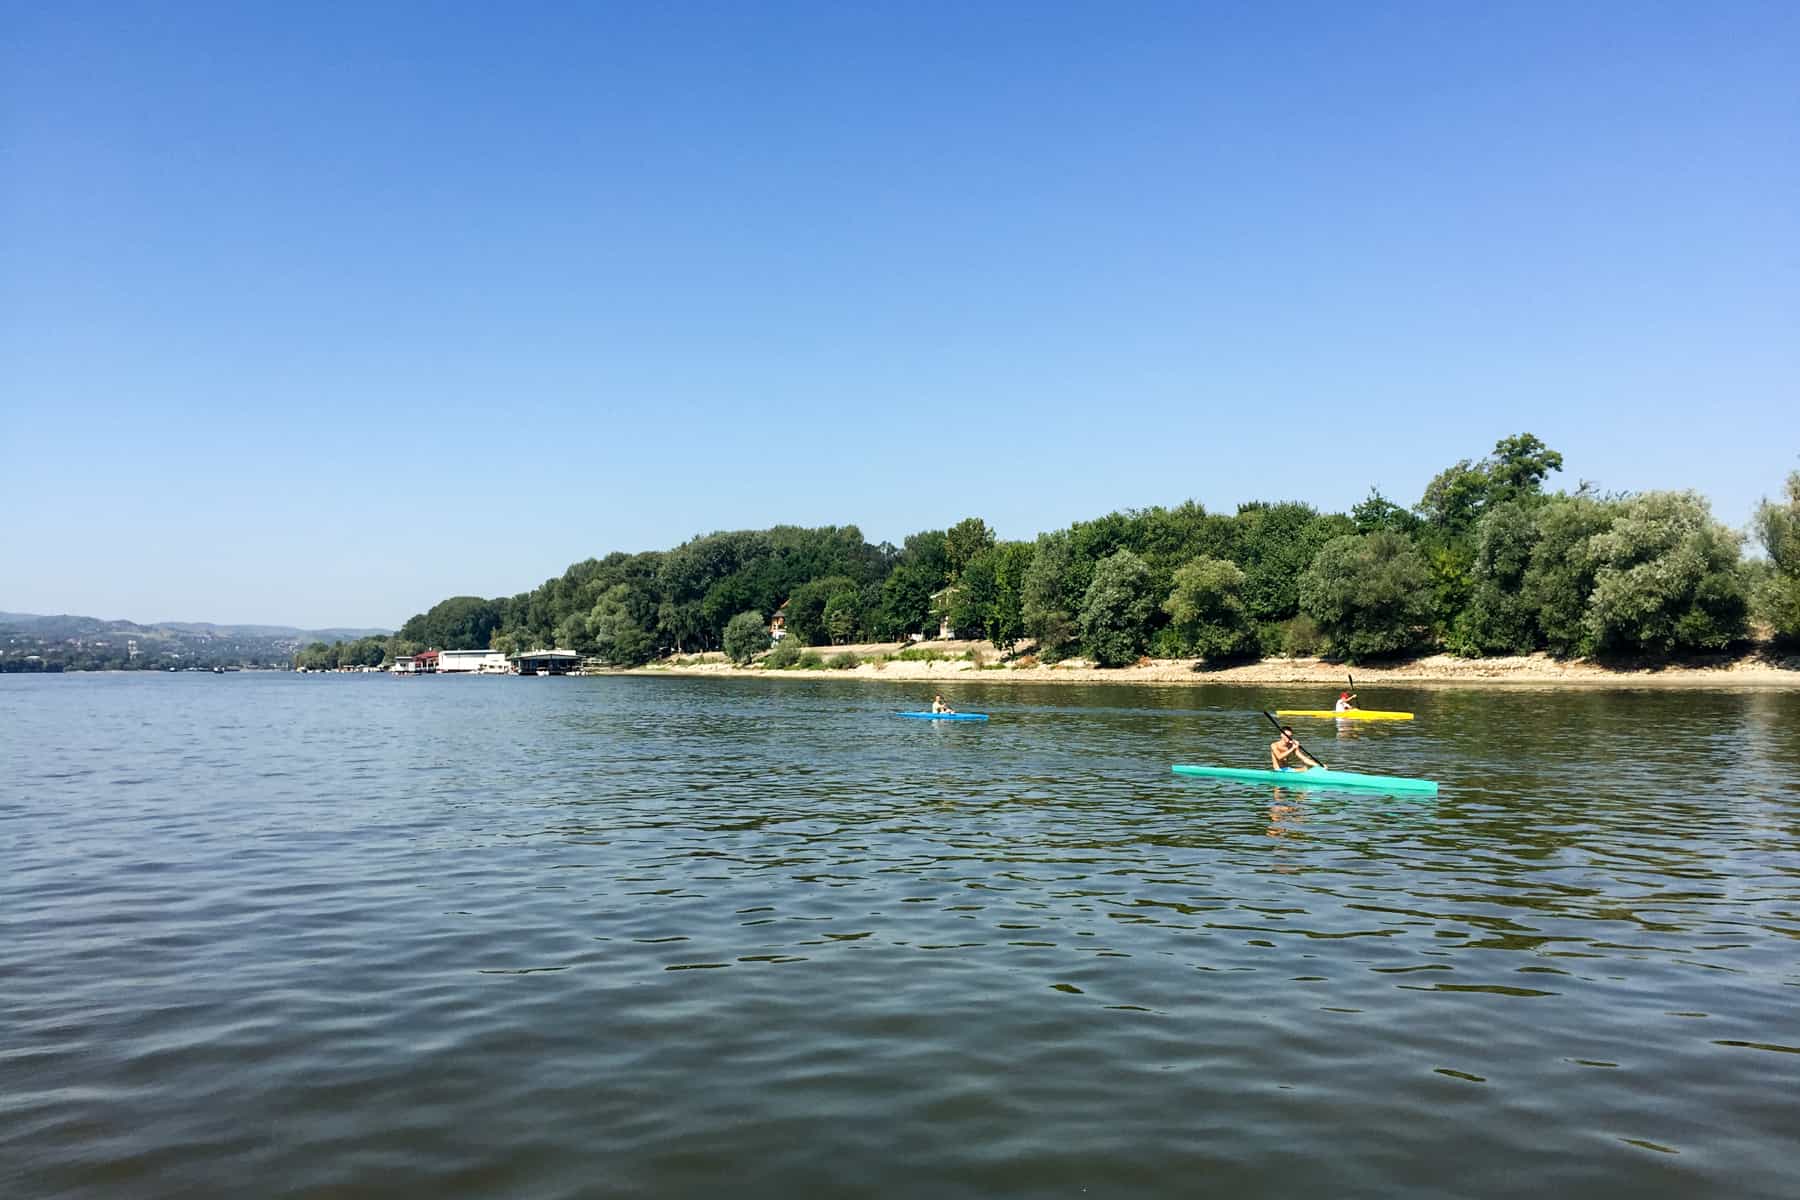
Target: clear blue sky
317	314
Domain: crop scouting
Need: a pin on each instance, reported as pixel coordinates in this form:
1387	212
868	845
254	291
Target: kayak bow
1350	714
1318	777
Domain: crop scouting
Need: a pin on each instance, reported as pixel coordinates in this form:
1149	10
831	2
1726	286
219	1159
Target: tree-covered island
1487	562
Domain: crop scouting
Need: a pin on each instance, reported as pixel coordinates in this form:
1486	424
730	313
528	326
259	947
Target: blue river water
301	936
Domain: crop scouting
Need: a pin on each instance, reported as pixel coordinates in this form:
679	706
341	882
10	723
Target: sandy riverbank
1536	670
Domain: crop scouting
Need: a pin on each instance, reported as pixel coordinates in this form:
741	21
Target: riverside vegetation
1487	562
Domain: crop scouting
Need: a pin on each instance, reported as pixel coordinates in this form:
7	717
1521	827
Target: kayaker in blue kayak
938	705
1285	749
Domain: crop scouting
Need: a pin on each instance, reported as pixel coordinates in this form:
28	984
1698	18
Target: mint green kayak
1318	777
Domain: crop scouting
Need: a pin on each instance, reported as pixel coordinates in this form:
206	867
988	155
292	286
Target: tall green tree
618	630
1498	619
843	616
1206	609
681	626
1273	544
1048	601
1370	594
988	599
1377	512
745	637
1005	618
966	539
573	633
1457	496
1519	466
972	596
906	599
1115	612
806	607
1453	505
1666	579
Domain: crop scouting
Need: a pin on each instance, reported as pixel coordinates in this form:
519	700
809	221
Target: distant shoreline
1537	670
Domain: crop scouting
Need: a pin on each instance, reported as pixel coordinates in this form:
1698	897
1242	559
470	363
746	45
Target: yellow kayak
1352	714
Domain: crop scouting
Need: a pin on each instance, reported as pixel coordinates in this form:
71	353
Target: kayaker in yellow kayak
1345	702
1285	749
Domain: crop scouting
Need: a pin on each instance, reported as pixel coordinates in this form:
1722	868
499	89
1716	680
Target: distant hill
271	631
67	625
66	642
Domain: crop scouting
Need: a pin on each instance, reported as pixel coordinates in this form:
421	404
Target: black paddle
1303	749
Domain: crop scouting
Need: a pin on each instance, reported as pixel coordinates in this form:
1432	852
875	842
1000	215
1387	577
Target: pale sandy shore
1537	670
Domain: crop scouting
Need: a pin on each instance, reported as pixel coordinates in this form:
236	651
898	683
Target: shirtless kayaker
1285	749
938	705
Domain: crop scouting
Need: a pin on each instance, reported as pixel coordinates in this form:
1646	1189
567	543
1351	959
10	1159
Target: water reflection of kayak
1349	714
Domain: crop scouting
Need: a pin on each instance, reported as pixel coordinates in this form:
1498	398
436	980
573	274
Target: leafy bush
1167	642
1776	603
1370	594
1560	578
745	637
1116	609
1666	579
921	654
843	662
1206	609
1301	637
785	655
811	660
1296	637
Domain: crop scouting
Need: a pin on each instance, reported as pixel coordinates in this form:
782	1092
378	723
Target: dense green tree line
363	652
1487	562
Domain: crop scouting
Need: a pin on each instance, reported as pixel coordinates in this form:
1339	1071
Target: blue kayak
931	716
1318	777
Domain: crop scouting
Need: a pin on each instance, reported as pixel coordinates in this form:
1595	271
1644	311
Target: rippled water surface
267	935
